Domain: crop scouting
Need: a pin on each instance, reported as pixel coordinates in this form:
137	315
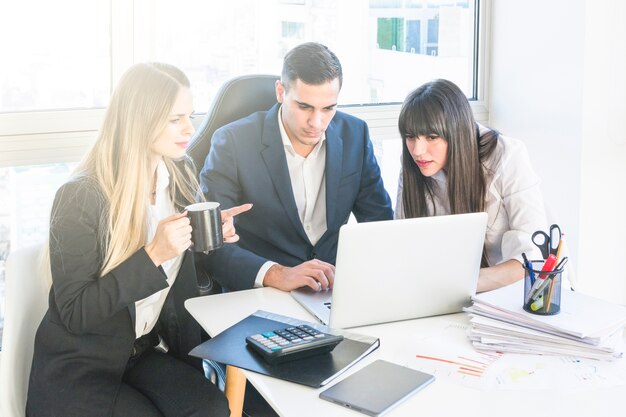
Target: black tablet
377	388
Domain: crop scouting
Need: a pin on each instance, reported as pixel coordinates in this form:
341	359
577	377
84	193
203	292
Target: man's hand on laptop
318	275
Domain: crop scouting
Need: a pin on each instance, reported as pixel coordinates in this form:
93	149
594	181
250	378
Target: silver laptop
401	269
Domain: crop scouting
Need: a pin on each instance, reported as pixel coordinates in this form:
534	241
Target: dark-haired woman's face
429	153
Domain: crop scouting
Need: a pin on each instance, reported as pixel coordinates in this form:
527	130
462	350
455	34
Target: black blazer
86	337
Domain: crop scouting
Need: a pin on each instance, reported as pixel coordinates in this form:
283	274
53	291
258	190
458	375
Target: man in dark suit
305	166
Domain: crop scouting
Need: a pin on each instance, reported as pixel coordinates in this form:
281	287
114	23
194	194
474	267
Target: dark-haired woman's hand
172	237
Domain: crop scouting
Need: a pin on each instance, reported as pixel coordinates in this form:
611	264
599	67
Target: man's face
306	111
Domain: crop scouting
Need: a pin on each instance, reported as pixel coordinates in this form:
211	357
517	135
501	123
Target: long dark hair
440	107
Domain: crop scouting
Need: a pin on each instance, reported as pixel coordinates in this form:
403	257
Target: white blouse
148	309
514	202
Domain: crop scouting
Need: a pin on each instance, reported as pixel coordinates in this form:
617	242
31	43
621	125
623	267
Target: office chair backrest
26	303
237	98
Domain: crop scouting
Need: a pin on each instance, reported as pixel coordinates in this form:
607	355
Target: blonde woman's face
174	139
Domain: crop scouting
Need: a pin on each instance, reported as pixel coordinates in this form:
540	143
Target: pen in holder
543	294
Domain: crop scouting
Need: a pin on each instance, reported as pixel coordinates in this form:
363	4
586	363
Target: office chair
26	303
237	98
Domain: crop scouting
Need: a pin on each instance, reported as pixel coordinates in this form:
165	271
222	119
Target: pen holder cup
542	290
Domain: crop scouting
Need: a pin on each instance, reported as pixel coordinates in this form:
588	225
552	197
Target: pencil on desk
559	248
550	294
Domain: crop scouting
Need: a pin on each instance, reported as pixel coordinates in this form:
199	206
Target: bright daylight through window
386	48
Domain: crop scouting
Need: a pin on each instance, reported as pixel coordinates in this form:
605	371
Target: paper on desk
448	351
508	371
539	372
580	316
447	354
491	332
493	326
493	313
520	347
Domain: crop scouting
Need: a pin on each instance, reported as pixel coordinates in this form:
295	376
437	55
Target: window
432	47
413	36
75	63
386	3
394	43
418	41
293	30
61	62
390	33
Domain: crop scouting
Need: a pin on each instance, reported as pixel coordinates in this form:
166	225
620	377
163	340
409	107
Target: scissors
548	243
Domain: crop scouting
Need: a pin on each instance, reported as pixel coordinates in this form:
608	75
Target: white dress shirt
308	183
514	202
148	309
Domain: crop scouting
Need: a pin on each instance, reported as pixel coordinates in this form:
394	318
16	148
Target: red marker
548	266
542	282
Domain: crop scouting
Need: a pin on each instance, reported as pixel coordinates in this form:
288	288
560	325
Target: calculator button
308	329
268	334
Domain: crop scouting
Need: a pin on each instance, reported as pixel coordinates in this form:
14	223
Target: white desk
442	398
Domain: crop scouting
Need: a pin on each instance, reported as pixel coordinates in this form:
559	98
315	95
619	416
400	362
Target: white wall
603	168
557	82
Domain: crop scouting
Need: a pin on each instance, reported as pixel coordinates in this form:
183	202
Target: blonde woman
115	339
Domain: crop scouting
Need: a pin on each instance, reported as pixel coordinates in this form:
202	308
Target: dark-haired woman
452	165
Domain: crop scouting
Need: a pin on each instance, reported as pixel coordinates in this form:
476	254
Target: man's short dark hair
312	63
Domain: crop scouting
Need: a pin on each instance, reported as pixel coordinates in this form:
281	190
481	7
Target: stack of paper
585	326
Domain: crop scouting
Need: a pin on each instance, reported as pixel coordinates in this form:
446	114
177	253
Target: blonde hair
119	163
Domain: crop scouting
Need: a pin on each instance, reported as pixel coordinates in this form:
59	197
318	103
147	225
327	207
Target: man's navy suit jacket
247	164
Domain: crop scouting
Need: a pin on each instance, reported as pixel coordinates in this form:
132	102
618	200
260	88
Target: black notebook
229	347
